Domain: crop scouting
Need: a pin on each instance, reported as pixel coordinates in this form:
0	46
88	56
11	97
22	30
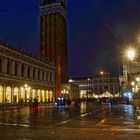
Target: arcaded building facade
23	77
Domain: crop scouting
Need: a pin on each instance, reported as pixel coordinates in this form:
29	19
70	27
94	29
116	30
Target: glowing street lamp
131	54
88	85
101	72
137	79
104	86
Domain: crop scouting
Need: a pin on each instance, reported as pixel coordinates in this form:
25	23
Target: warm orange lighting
137	79
25	85
101	72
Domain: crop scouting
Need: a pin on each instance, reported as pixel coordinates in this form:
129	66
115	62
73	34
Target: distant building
24	78
129	81
70	91
91	86
53	33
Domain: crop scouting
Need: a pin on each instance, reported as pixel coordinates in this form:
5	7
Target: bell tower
53	38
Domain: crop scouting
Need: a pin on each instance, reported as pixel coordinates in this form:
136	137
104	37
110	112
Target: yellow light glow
70	80
96	96
132	83
25	85
101	72
131	54
137	79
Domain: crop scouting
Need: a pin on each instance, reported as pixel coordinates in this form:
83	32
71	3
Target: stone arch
34	94
8	97
22	94
16	95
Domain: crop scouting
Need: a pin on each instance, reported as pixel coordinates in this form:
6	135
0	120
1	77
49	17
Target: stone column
48	77
40	75
4	66
31	72
53	78
19	69
44	78
25	70
13	67
12	94
4	93
36	74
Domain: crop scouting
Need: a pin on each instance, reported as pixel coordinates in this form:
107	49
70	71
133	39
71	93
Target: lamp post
131	57
102	73
88	84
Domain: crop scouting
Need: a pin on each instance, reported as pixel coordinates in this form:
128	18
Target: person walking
30	104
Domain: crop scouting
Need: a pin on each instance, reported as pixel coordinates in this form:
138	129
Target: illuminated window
8	95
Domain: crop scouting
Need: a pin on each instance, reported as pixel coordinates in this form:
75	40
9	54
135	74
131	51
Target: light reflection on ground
83	107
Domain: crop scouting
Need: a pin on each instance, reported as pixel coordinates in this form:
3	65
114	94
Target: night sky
98	31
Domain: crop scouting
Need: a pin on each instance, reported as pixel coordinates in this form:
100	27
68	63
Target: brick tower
53	38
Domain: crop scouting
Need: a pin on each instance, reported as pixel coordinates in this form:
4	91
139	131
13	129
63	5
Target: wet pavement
84	122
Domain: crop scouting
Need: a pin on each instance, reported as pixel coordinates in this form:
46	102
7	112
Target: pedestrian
30	104
36	105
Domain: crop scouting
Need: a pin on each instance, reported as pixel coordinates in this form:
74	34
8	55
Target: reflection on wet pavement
84	121
128	112
83	115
